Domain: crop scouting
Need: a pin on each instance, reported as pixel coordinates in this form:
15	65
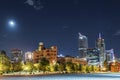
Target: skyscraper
100	44
83	45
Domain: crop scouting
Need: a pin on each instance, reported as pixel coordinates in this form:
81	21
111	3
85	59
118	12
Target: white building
28	56
110	55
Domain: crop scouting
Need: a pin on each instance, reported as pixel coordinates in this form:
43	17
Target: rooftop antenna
80	34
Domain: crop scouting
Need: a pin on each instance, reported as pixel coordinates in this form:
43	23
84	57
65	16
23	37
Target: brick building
48	53
71	59
115	66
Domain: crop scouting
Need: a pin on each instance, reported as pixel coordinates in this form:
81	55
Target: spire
80	34
99	35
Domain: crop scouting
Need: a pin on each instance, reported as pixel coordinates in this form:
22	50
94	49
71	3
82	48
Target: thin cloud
4	36
29	2
65	27
36	4
117	33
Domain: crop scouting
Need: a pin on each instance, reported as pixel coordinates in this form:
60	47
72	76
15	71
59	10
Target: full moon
12	24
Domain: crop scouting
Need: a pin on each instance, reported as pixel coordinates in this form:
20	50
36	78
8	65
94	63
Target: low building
16	55
28	56
48	53
115	66
110	55
75	60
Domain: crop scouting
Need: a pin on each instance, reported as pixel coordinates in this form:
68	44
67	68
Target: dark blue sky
57	22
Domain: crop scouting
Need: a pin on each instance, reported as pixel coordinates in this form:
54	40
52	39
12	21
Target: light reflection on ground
114	76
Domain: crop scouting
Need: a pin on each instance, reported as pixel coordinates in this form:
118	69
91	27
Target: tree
76	67
92	68
28	67
17	66
43	64
69	67
61	67
3	52
54	67
37	67
80	67
87	69
4	62
106	65
84	68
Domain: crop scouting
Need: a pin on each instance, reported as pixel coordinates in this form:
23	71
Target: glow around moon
11	24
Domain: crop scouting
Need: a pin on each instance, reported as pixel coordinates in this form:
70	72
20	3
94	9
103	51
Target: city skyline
58	23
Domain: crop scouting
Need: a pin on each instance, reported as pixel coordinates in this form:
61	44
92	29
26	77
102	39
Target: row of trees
44	65
68	67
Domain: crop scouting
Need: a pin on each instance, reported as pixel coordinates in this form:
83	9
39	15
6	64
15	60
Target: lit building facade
48	53
16	55
28	56
110	56
93	56
100	44
115	66
83	45
62	60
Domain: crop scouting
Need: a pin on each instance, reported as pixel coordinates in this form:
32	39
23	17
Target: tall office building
83	45
100	44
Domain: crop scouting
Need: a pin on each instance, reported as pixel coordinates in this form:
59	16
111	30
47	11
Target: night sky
57	22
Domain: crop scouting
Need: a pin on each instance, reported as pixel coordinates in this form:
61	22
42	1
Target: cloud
4	36
30	2
36	4
65	27
117	33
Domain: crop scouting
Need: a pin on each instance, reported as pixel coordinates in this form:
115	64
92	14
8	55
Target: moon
11	24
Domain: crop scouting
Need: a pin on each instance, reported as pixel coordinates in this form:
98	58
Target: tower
41	46
100	44
83	45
